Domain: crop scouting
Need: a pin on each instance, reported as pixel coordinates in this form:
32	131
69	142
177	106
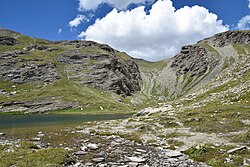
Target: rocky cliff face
194	60
23	71
28	61
230	37
105	70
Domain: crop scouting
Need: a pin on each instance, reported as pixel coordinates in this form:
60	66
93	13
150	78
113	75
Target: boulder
92	146
80	153
98	159
2	134
136	159
173	154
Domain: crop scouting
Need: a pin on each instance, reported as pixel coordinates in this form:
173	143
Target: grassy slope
91	99
224	111
27	155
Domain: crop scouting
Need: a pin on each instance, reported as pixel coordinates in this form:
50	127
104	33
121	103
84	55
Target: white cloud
244	23
119	4
82	35
59	31
77	21
155	36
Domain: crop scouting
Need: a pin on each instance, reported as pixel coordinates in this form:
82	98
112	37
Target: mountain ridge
98	70
192	106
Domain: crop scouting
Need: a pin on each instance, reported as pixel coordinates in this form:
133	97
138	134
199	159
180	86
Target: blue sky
43	19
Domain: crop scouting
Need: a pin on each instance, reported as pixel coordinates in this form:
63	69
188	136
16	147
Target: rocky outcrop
12	54
193	59
39	47
36	106
121	78
82	44
8	41
104	71
230	37
23	71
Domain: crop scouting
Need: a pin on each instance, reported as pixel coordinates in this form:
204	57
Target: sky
149	29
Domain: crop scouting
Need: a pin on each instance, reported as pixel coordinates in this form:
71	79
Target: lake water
19	121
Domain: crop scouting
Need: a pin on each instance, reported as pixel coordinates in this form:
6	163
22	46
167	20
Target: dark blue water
16	121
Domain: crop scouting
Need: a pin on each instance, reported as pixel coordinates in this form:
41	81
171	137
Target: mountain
39	75
210	63
199	105
196	103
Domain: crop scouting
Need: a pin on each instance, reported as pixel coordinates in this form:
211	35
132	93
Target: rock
236	149
2	134
78	164
133	164
35	47
80	153
145	165
88	164
51	49
12	54
98	159
246	162
140	150
100	155
26	71
40	135
231	37
108	73
13	93
8	41
107	48
173	154
35	139
245	121
193	60
84	148
149	111
229	160
92	146
36	106
136	159
3	91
